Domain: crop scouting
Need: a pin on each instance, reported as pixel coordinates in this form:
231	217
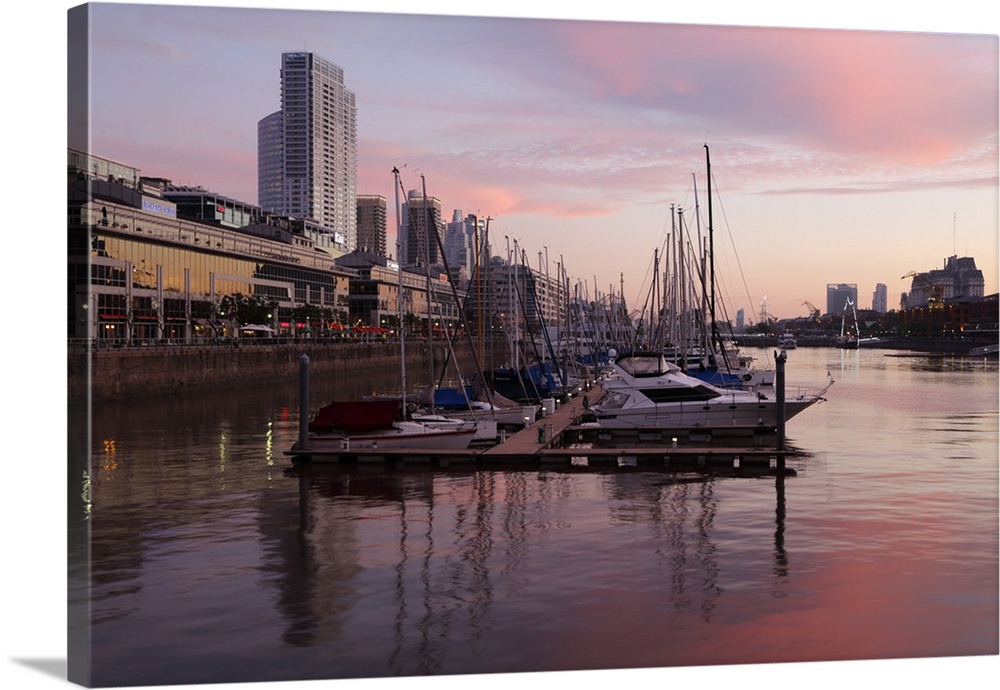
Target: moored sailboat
363	424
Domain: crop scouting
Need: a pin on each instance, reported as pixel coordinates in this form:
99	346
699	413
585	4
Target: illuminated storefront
139	271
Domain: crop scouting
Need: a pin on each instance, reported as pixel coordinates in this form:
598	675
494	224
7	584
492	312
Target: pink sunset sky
837	156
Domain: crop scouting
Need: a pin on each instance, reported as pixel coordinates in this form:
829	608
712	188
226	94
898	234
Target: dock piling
779	391
303	401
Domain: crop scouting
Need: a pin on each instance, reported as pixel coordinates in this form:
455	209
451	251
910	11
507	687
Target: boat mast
399	291
683	333
702	326
427	220
479	291
711	251
655	311
491	296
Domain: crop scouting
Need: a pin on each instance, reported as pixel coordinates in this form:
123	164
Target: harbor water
212	562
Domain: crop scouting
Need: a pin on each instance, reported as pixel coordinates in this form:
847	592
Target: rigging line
642	285
725	219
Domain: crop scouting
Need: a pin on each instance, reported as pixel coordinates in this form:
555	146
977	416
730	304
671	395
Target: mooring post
303	401
779	392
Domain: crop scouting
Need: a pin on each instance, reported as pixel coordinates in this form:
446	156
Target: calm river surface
212	563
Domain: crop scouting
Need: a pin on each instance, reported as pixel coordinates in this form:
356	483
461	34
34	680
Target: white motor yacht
647	391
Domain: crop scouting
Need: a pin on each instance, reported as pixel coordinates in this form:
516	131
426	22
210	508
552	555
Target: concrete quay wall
130	372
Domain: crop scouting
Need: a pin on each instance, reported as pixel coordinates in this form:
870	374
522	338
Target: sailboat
379	423
452	408
387	422
646	391
697	346
528	378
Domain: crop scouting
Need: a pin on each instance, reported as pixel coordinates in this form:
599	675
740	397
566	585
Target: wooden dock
560	439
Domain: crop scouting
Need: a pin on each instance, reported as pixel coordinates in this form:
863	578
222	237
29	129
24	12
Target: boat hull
709	414
485	429
646	392
426	439
507	417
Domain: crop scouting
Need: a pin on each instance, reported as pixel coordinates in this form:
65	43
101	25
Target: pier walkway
528	442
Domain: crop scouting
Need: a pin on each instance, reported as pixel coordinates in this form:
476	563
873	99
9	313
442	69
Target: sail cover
353	416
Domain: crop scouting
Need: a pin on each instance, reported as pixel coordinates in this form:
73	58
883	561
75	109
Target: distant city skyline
580	152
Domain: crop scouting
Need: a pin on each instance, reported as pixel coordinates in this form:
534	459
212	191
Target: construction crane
935	298
813	311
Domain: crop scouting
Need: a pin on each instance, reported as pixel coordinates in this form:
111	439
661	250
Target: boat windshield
646	365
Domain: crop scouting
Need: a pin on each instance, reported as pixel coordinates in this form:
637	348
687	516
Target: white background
33	418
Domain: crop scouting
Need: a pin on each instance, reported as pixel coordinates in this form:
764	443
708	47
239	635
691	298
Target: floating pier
560	439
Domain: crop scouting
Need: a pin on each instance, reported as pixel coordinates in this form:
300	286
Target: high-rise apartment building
316	134
460	241
421	218
880	298
372	219
270	158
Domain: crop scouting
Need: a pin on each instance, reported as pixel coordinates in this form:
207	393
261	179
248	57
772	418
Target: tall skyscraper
460	241
270	160
372	223
880	298
837	295
316	134
421	219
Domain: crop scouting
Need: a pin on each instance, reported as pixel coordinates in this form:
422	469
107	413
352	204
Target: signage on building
159	207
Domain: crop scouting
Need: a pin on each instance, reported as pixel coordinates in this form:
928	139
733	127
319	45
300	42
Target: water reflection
780	555
427	557
209	565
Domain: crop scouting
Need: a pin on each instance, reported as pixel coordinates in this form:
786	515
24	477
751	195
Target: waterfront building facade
517	298
957	279
206	206
314	151
140	270
427	301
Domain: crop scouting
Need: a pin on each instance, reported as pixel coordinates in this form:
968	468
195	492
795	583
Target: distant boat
852	343
732	369
985	351
786	341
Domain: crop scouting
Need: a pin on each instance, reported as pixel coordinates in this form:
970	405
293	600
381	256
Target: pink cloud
898	96
916	98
